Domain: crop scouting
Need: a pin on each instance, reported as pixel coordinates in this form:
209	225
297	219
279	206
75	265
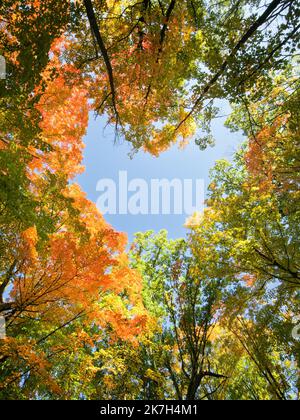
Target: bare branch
96	31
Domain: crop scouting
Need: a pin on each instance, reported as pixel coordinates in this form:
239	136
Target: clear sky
104	159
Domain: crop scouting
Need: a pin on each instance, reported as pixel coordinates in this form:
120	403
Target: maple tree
61	263
28	29
158	67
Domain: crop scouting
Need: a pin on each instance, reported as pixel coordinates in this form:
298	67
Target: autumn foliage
210	316
65	264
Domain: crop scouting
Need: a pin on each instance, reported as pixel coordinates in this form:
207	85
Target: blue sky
104	159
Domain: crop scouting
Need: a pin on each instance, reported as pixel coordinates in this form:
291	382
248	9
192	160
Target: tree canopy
212	316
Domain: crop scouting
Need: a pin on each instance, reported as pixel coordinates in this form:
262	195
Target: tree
251	229
28	30
187	303
157	67
30	34
75	276
209	317
63	269
254	201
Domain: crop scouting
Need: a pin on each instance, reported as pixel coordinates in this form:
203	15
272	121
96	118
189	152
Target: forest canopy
212	316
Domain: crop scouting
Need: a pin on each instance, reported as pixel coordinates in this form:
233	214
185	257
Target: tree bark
95	28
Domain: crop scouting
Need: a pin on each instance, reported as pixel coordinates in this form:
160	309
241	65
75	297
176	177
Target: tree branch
245	38
5	307
161	41
96	31
6	281
165	27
